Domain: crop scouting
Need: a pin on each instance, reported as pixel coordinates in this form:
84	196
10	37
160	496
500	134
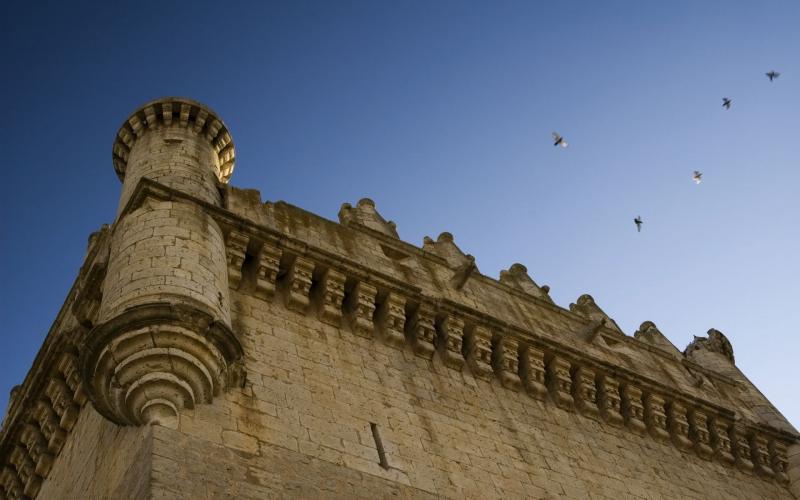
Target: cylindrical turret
163	339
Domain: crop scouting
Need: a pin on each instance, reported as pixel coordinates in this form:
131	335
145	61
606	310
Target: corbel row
37	441
377	310
186	114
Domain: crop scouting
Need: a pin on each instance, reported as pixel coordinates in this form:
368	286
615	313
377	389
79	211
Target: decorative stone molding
679	425
505	352
43	414
517	276
423	331
451	338
11	483
392	318
780	460
445	247
649	333
332	297
25	471
759	448
698	427
479	351
63	404
34	441
559	382
365	214
362	306
269	258
586	306
170	112
585	391
235	251
656	416
715	342
721	439
610	405
146	364
633	408
534	371
299	281
741	448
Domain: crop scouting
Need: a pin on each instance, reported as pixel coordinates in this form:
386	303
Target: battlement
175	112
211	327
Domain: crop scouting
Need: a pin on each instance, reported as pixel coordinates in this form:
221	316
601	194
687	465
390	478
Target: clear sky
442	112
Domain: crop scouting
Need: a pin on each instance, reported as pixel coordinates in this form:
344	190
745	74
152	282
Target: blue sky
442	112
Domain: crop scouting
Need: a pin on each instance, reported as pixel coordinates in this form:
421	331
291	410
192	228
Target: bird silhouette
726	103
558	140
773	75
638	221
697	177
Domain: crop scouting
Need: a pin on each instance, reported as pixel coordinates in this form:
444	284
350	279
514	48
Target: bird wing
556	136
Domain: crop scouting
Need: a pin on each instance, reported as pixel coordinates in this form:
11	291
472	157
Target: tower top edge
175	111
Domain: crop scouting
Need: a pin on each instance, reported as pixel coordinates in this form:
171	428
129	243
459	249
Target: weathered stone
585	391
559	382
479	351
451	338
505	354
534	371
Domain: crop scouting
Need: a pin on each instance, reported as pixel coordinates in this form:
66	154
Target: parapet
169	112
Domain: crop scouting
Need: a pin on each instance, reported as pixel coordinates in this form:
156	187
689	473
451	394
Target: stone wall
301	427
101	460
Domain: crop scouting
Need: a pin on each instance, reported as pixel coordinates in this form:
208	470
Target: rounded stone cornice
146	364
170	112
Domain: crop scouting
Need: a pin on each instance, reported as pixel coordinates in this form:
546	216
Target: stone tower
215	346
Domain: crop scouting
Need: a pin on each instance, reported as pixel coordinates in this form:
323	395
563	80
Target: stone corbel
759	448
25	471
332	297
780	461
68	367
698	422
610	406
533	370
11	483
479	351
559	382
63	403
506	361
235	251
585	393
679	425
48	422
393	319
656	417
423	330
742	447
269	258
362	308
633	408
34	440
722	441
299	281
450	341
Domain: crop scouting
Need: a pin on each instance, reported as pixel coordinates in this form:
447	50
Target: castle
215	346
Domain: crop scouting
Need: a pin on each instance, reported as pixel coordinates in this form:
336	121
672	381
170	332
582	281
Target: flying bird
773	75
726	103
697	177
559	141
638	221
